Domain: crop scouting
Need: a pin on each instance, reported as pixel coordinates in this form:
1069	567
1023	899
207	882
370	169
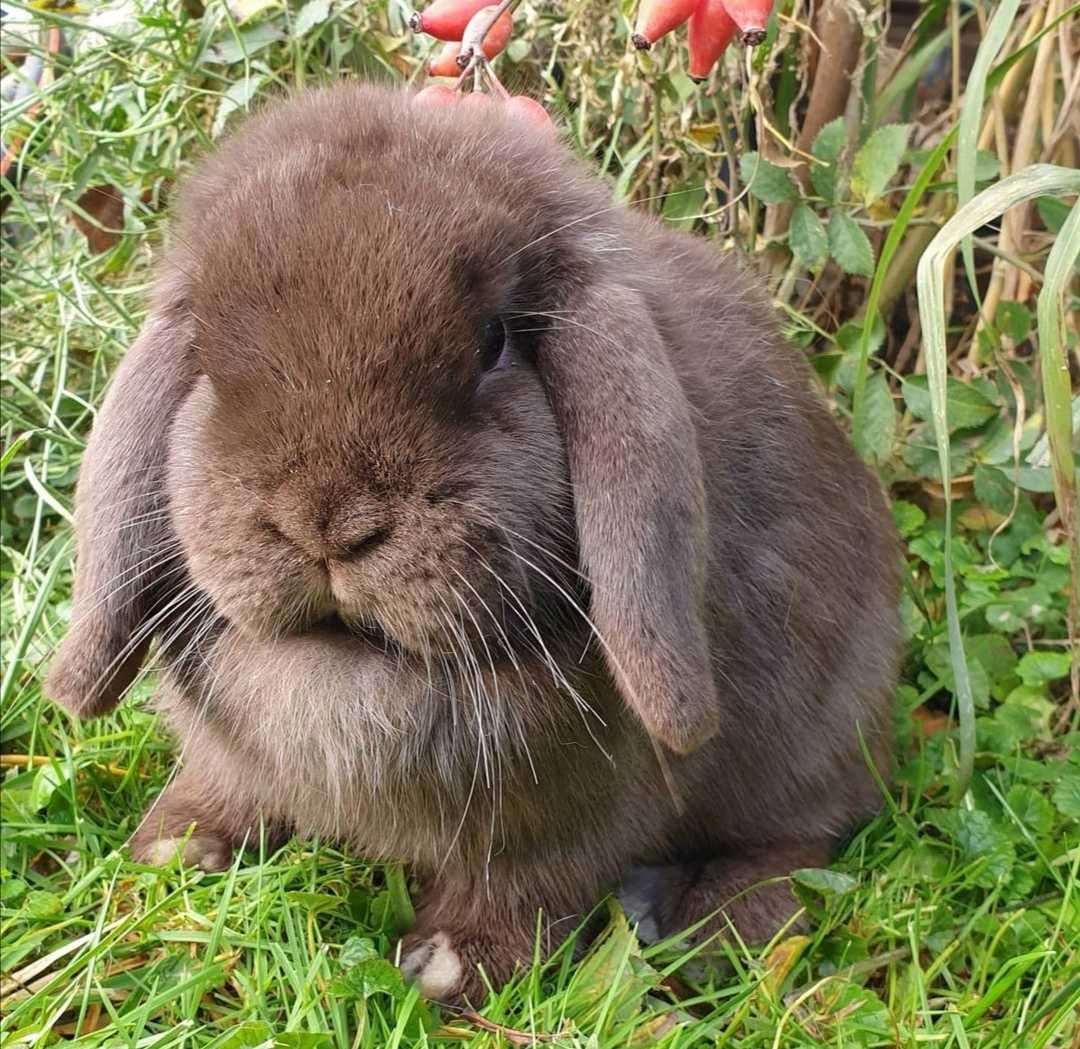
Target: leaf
374	976
42	904
878	160
830	140
807	238
1037	667
850	246
907	517
357	949
997	658
879	421
400	901
828	144
244	10
313	13
1052	212
257	1034
978	841
234	47
251	1034
46	780
993	489
939	664
314	902
781	960
1067	795
237	97
613	975
850	336
965	405
769	183
825	882
682	207
1013	319
1030	808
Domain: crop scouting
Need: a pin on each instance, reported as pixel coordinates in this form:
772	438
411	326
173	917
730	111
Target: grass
953	919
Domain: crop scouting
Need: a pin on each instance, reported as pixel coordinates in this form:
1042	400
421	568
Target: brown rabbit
482	525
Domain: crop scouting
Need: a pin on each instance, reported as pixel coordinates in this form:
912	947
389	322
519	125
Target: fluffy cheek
254	584
254	581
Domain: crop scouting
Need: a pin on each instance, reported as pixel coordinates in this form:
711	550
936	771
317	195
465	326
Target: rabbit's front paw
434	965
200	850
203	827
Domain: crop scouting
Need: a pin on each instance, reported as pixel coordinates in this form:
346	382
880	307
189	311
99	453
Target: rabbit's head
400	378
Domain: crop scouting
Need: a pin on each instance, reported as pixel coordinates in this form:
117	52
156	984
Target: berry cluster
712	24
475	32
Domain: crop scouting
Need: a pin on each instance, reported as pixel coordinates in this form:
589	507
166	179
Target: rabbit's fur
525	612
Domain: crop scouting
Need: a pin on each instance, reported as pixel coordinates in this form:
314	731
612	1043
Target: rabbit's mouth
370	632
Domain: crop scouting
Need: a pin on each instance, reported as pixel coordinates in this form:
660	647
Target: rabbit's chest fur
338	738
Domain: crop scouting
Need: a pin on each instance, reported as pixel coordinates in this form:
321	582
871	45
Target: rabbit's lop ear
126	552
640	508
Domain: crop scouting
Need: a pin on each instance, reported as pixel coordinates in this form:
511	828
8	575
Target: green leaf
966	406
374	976
1013	319
357	949
313	13
907	517
830	140
42	904
977	838
1037	667
769	183
825	882
993	489
400	901
879	420
46	780
1052	212
939	663
850	246
235	47
314	902
237	97
252	1034
682	207
1030	808
1067	795
828	145
878	160
257	1034
807	238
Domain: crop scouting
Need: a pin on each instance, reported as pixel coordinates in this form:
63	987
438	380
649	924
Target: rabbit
485	526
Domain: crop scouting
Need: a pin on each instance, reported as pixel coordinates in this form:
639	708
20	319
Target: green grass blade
888	250
1034	181
971	114
1057	395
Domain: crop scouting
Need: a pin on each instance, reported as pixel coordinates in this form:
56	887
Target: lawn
953	919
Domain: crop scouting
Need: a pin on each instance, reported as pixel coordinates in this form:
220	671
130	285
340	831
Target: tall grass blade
971	113
1056	397
1034	181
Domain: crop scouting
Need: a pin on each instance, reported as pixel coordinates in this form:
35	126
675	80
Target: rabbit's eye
494	344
